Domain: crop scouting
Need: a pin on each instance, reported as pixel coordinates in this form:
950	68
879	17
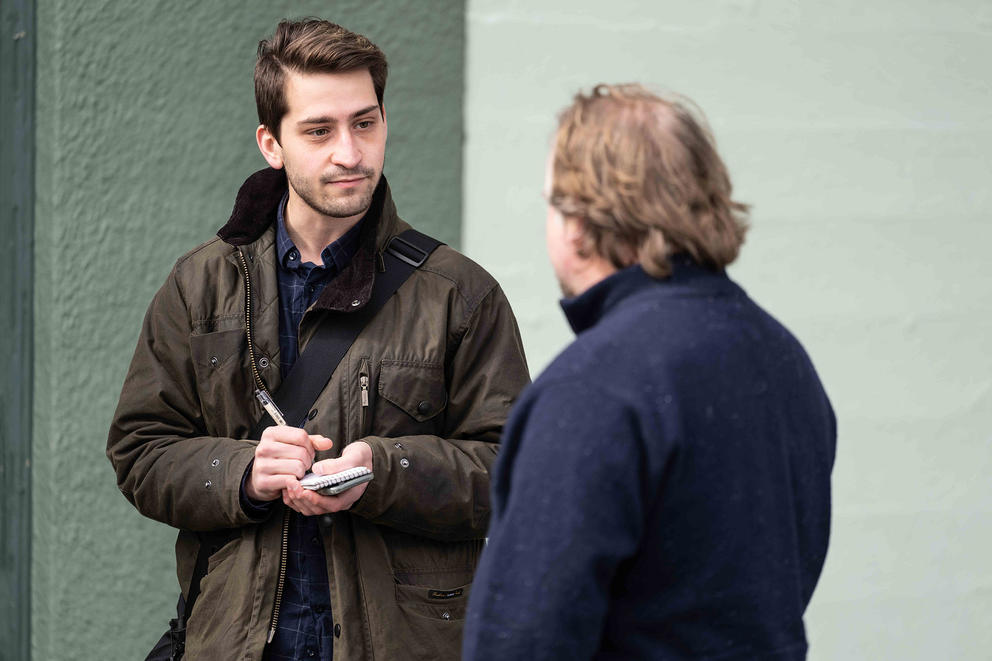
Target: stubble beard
351	202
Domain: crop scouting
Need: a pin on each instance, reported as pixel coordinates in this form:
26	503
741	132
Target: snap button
355	303
404	462
214	361
423	408
398	446
207	484
312	414
215	462
446	615
337	630
263	362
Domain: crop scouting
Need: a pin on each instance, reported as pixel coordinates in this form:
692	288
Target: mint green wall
861	132
146	122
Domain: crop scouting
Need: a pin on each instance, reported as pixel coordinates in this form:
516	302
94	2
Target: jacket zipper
251	345
363	383
283	550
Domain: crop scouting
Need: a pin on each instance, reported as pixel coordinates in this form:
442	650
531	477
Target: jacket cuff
258	510
370	504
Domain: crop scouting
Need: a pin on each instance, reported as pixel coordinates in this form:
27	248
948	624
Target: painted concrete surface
146	124
860	132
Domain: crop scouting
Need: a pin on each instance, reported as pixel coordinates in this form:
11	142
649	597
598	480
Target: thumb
329	466
321	442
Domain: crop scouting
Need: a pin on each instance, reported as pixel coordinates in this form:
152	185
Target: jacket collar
255	211
585	310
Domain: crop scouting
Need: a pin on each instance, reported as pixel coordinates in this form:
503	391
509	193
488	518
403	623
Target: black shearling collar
255	210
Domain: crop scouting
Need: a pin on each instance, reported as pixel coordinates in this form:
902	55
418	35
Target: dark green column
17	48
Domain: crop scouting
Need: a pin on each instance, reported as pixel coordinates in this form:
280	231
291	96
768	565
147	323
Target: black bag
311	372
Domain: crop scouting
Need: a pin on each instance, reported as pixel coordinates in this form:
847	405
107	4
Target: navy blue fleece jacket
663	488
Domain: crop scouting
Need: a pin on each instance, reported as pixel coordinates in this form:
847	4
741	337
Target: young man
663	489
420	398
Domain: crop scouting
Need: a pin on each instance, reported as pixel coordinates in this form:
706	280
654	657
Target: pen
270	407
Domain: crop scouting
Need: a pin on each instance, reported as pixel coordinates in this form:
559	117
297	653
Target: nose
347	153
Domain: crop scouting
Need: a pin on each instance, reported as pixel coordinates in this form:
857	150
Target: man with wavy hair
663	488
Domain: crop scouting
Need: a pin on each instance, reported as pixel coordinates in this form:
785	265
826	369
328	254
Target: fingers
282	456
311	503
321	442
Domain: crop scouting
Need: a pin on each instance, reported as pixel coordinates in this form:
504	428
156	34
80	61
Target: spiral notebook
330	485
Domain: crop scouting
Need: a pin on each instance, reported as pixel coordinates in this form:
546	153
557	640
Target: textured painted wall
861	132
145	130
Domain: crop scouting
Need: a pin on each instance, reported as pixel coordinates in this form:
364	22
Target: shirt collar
336	254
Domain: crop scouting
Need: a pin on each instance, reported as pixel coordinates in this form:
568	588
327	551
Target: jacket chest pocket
218	361
412	397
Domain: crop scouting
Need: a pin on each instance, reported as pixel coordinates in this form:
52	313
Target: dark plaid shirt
306	628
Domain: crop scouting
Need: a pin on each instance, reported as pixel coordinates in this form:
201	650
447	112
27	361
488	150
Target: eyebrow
331	120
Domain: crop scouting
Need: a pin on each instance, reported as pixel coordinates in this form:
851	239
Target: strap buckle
405	251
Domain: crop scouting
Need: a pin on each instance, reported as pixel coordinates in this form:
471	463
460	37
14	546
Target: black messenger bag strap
313	369
404	254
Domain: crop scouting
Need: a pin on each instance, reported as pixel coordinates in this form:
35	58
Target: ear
575	235
269	146
575	231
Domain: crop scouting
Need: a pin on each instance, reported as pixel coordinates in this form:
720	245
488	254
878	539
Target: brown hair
643	176
310	45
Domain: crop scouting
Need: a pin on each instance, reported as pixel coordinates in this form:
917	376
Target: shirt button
355	303
327	520
423	408
292	255
311	652
337	630
315	541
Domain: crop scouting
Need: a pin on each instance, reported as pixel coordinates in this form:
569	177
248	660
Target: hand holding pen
283	455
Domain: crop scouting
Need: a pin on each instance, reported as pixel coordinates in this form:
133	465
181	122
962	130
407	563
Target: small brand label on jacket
444	594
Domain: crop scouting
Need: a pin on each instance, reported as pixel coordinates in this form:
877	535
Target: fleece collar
588	308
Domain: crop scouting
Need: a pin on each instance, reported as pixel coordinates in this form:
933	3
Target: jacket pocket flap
417	388
215	349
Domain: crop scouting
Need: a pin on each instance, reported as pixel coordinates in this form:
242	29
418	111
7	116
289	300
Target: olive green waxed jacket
427	384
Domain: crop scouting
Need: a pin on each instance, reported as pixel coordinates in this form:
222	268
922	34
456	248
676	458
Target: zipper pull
272	634
364	381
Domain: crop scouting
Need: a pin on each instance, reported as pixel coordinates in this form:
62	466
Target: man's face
332	141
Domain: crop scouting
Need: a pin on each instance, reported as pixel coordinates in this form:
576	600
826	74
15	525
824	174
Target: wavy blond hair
642	174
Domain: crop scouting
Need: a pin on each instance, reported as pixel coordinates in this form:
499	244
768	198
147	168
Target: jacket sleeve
166	464
569	495
439	487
